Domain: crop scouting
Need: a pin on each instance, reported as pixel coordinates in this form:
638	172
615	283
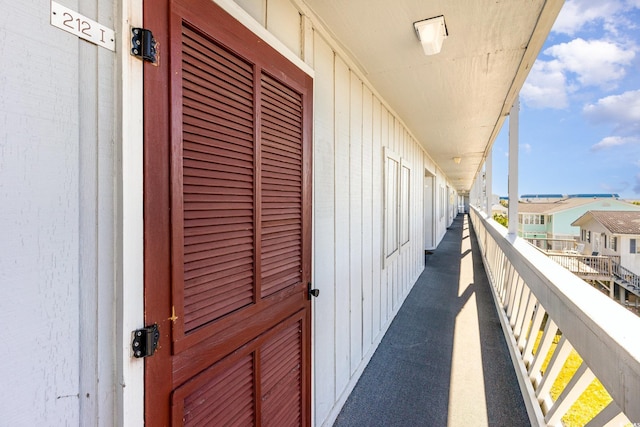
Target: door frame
129	244
429	210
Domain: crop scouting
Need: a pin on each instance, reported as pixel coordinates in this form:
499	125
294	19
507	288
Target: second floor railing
546	312
586	266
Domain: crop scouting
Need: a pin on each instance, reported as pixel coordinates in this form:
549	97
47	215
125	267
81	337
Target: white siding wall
56	219
628	260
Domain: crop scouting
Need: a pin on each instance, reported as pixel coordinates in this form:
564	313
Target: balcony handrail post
513	167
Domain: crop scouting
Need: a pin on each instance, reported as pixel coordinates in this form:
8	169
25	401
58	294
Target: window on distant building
588	236
583	234
605	241
633	246
541	219
614	243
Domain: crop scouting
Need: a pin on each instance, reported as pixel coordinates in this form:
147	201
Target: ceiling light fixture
431	33
457	160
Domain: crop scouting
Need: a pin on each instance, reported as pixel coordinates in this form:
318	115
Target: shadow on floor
426	370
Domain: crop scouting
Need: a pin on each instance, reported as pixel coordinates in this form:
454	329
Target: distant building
553	219
612	233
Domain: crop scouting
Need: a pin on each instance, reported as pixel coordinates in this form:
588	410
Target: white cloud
576	64
545	87
526	148
614	141
612	16
622	110
595	62
576	14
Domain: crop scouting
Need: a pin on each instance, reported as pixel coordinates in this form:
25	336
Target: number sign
83	27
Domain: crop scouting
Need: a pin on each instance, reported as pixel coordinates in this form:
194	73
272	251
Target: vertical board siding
367	220
355	221
48	222
384	273
376	219
341	218
283	21
323	231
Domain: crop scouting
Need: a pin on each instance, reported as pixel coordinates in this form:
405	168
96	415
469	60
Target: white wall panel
97	244
367	220
283	21
39	219
255	8
342	236
355	220
323	232
376	197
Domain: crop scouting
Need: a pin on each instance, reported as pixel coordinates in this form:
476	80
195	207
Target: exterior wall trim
129	302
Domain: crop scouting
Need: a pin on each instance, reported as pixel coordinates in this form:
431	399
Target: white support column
488	170
513	166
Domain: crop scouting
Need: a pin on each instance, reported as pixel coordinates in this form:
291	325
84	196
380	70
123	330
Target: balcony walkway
444	360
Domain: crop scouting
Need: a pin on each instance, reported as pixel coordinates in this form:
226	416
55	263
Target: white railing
540	302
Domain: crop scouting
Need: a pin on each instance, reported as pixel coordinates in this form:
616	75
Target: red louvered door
227	223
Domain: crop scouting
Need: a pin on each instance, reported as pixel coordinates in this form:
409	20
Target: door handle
312	292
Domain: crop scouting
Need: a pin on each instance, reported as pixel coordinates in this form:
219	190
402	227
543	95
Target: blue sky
580	106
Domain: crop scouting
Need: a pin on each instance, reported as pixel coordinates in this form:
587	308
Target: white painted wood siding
57	197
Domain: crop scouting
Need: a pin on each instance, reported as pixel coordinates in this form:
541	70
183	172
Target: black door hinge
145	341
312	292
143	45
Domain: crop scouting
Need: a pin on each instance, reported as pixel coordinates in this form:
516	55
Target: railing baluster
579	382
548	335
514	306
501	268
510	283
536	323
524	314
554	367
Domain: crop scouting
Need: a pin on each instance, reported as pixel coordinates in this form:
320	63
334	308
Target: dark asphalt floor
444	360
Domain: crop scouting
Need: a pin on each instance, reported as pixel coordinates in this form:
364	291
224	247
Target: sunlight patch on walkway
467	400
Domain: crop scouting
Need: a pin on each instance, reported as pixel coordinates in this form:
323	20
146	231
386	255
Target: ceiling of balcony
454	102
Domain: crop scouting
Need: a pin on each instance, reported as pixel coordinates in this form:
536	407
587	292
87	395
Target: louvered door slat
281	377
281	195
225	398
203	141
218	180
199	123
